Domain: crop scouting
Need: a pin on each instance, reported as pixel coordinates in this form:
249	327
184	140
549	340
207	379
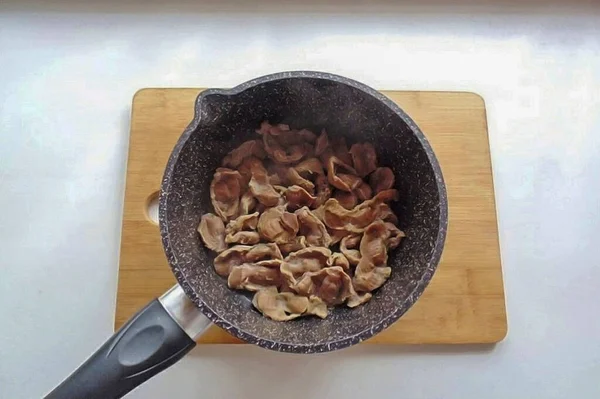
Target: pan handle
151	341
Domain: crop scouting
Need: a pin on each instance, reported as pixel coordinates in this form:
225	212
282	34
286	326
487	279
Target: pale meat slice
243	237
225	192
346	199
396	235
337	235
316	307
347	247
322	190
372	271
309	259
338	259
239	230
254	277
331	284
277	225
247	203
246	149
312	228
341	175
261	187
385	213
243	223
240	254
212	231
364	158
297	197
381	179
279	306
298	243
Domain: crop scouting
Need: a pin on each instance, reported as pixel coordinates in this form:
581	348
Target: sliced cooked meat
338	259
346	199
277	225
261	187
253	277
312	228
363	191
225	192
323	191
243	223
246	149
298	243
381	179
347	247
337	217
322	143
247	203
243	237
341	175
294	178
305	260
372	271
364	158
279	306
297	197
396	235
212	231
331	284
240	254
310	167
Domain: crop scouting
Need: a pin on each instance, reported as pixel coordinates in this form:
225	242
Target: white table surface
67	76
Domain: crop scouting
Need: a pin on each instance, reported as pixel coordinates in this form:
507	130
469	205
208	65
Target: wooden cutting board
464	303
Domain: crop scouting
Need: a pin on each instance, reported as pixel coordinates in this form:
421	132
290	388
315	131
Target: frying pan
165	330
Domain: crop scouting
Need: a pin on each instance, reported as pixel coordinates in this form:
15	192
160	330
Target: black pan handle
149	343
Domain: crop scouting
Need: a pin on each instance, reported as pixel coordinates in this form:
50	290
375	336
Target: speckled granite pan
225	118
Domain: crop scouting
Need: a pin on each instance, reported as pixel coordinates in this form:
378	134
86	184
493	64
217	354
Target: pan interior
226	121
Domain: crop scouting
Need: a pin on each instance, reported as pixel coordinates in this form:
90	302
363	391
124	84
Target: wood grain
464	302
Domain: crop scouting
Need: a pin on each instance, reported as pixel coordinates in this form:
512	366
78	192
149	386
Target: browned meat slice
396	235
246	149
340	150
310	167
305	260
298	243
297	197
347	247
337	217
240	254
284	145
364	158
312	228
212	231
341	175
225	192
322	143
338	259
277	225
346	199
381	179
279	306
294	178
253	277
323	191
363	192
372	271
260	186
385	213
